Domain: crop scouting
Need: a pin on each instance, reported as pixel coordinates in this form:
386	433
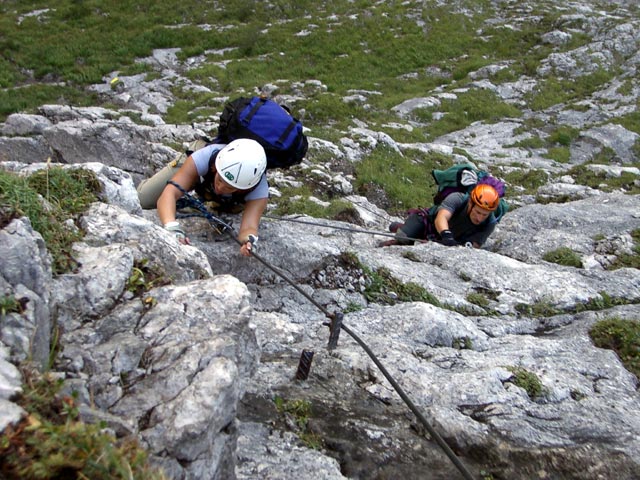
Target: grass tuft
621	336
298	412
563	256
528	381
49	198
52	443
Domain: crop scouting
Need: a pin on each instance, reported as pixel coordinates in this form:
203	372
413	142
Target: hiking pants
150	189
414	227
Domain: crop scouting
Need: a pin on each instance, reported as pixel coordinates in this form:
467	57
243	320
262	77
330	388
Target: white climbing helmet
242	163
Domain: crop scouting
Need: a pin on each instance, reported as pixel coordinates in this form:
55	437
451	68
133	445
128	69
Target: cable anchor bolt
304	365
334	329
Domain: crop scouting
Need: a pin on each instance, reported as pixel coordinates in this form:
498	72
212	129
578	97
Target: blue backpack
463	177
270	124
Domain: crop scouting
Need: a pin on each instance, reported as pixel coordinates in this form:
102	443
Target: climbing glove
253	240
177	230
447	238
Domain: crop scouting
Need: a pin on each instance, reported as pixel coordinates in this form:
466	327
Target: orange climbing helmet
485	196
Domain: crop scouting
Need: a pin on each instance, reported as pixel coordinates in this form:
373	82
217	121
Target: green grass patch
357	45
563	135
406	178
602	302
531	143
563	256
629	260
297	201
559	154
299	411
329	109
621	336
627	182
557	143
469	107
541	308
530	180
28	98
553	91
49	198
478	299
631	121
544	308
528	381
383	287
352	307
462	343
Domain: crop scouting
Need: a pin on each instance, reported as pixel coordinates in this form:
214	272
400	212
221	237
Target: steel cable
214	221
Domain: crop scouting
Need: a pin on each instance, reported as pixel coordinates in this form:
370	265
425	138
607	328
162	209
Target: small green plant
559	154
464	276
350	259
563	256
631	121
462	343
299	411
629	260
486	475
563	136
530	180
621	336
383	287
531	142
72	190
478	299
10	304
603	302
144	277
52	443
528	381
541	308
352	307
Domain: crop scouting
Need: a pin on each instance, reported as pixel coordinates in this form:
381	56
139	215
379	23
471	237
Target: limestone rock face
194	349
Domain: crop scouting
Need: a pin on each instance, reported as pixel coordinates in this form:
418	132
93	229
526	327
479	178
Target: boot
394	226
388	243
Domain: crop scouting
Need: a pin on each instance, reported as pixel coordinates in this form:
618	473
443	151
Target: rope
396	386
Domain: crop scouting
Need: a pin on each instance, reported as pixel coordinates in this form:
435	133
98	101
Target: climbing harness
335	325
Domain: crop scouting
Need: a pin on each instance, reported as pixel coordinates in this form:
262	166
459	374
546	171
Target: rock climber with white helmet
461	219
232	176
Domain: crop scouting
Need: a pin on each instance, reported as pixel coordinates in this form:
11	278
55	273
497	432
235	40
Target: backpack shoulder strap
503	208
